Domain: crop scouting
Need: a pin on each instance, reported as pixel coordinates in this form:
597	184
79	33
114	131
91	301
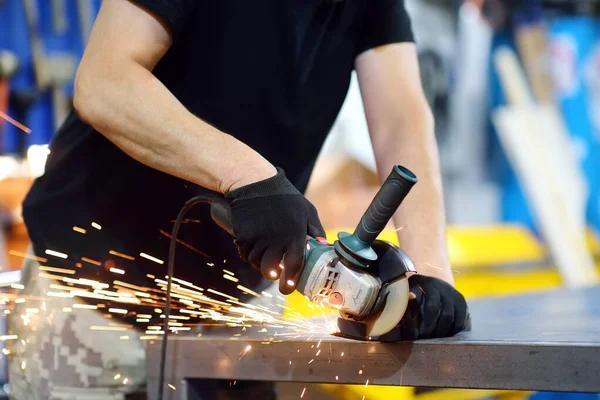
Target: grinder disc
392	311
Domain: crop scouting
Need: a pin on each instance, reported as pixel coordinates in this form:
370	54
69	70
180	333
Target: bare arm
117	94
402	131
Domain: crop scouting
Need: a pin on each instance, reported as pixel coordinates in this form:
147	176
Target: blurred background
515	89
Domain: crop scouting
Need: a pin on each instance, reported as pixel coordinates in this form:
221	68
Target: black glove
438	310
270	221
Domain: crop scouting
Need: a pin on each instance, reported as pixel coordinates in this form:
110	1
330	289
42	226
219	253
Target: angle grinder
344	276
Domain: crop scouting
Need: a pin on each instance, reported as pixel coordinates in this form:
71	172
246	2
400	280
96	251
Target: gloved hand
438	309
270	221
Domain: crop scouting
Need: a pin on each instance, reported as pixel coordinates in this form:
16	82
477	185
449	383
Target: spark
117	376
290	282
130	286
223	294
185	328
281	266
181	242
150	276
86	282
85	306
433	266
273	274
56	254
360	372
125	256
318	352
17	286
80	230
336	378
117	271
266	294
125	381
59	270
302	395
117	310
399	228
148	337
149	257
142	320
367	384
32	310
153	332
158	310
231	278
144	316
210	264
246	350
23	364
20	301
290	362
89	260
50	276
8	337
125	337
16	123
24	255
228	272
172	387
67	309
310	362
97	226
246	290
107	328
319	344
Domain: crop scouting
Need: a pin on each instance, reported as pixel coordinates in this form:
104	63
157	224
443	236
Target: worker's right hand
270	221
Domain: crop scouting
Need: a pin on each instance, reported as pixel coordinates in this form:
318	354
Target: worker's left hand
436	310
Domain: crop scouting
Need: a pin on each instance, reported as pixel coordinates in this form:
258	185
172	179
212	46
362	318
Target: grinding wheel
392	311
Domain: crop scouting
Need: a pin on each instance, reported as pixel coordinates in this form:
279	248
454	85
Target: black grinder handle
386	202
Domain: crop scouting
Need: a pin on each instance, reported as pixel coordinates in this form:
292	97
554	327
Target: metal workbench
548	341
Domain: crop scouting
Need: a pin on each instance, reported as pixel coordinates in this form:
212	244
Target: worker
181	97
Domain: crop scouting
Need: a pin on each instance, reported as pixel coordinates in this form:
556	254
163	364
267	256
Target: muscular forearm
135	111
421	218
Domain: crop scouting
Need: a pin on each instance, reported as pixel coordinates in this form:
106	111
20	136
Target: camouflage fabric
59	354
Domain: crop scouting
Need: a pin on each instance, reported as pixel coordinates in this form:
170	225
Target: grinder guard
391	268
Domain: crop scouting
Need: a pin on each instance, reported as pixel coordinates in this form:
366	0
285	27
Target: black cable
171	265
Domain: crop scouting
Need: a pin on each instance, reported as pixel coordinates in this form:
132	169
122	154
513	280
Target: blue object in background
575	45
514	207
572	41
563	396
14	36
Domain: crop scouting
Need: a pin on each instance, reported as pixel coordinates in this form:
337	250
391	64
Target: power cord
171	265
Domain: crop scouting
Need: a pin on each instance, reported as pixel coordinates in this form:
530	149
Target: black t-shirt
272	73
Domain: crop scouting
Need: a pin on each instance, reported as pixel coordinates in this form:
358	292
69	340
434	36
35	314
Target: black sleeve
384	22
173	13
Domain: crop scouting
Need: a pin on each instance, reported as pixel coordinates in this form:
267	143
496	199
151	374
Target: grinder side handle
386	202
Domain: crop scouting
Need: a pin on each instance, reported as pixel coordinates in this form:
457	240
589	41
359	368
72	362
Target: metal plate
548	341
